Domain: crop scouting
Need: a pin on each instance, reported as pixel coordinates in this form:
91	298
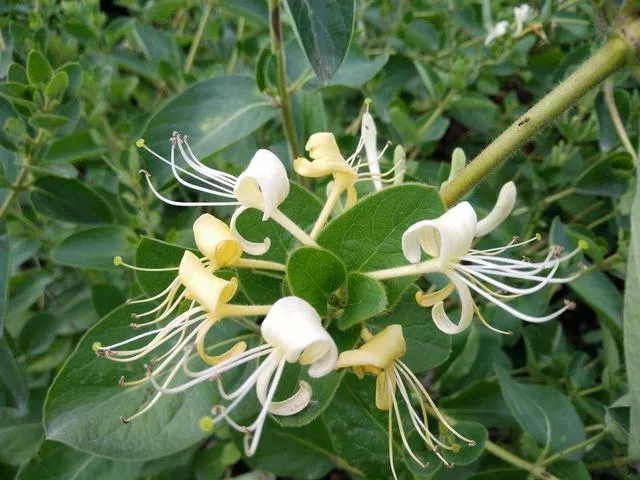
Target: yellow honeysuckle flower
380	355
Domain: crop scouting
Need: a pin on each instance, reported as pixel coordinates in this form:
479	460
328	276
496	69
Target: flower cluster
188	309
522	14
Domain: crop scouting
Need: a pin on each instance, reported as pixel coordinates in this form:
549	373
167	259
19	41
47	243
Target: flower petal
369	136
252	248
379	351
290	406
447	237
502	209
440	317
293	326
264	184
215	240
202	286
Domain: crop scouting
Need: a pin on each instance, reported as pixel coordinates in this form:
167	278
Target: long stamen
509	288
432	404
117	261
486	324
390	440
182	204
232	178
224	186
516	313
400	426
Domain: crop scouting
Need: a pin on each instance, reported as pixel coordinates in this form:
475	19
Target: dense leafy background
82	81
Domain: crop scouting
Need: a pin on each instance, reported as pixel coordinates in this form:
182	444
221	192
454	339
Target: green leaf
69	201
20	434
95	247
48	121
38	333
545	413
474	111
79	145
56	461
12	377
368	236
608	177
214	113
608	134
5	265
74	72
17	73
304	452
314	274
213	462
632	326
152	253
570	470
52	358
324	29
617	418
467	454
39	70
57	85
479	402
427	346
366	298
30	287
106	297
85	401
302	208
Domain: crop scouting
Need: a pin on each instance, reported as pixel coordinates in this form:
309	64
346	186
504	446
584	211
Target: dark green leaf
5	264
57	85
368	236
69	201
609	177
324	30
366	298
48	121
314	274
95	247
12	377
545	413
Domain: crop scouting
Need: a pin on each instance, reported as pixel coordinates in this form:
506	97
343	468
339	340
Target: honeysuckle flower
369	136
327	160
293	333
522	14
380	355
448	239
263	185
496	31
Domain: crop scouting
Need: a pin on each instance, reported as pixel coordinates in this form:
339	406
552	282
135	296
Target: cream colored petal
293	326
202	286
264	184
502	209
252	248
440	317
369	136
215	240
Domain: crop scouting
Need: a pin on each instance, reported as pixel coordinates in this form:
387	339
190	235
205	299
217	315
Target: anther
583	244
142	171
117	260
124	420
140	143
206	424
147	369
121	382
570	305
128	301
538	236
134	316
473	443
134	325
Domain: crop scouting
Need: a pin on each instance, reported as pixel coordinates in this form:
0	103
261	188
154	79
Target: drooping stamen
182	204
486	324
403	437
231	178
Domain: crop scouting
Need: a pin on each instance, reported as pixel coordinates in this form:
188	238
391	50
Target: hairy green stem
602	64
277	47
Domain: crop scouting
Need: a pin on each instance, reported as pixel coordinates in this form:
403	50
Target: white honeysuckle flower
522	14
263	184
448	239
293	333
498	30
380	355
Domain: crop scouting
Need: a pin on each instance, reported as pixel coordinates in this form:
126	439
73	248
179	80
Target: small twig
198	36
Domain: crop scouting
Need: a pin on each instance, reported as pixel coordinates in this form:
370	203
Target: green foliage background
82	81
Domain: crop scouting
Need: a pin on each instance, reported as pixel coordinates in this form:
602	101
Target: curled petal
430	299
202	286
440	317
290	406
369	134
237	349
215	240
293	326
252	248
264	184
385	390
502	209
379	351
447	237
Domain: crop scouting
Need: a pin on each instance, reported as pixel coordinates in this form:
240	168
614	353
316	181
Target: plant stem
516	461
198	36
260	264
610	101
436	114
277	47
604	62
573	448
614	463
